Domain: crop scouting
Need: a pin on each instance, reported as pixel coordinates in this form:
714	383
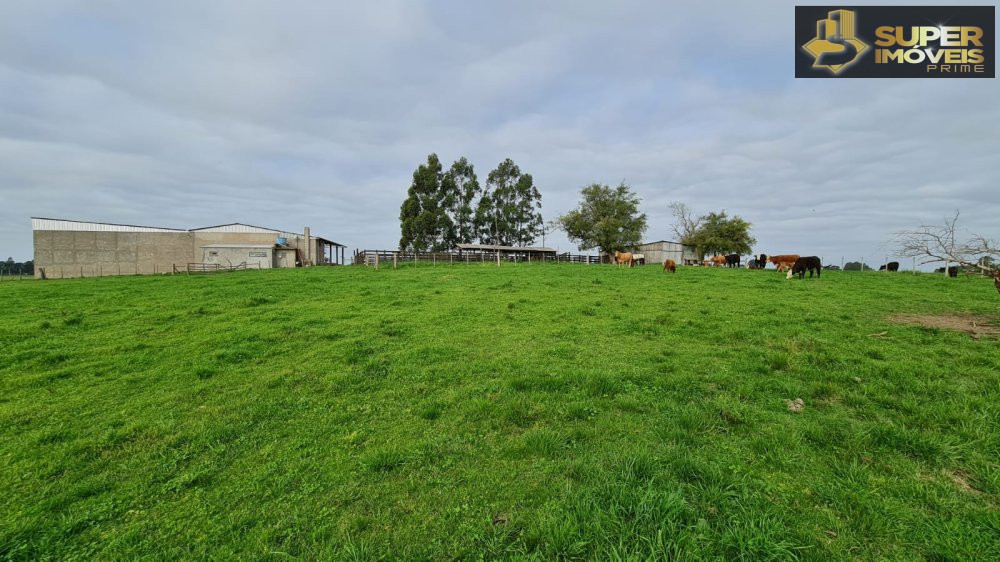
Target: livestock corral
534	410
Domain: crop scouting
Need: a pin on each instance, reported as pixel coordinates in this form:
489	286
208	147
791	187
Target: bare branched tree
941	243
685	224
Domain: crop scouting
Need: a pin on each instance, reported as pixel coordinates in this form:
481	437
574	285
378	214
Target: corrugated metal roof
39	223
504	248
661	242
241	228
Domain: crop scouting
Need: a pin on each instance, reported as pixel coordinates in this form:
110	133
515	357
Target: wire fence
395	258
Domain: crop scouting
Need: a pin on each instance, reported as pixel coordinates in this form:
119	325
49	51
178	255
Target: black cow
733	260
759	262
891	266
811	263
953	271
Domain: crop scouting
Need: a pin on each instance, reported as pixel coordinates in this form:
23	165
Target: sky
288	114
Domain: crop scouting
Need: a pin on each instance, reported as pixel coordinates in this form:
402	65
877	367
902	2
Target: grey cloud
287	114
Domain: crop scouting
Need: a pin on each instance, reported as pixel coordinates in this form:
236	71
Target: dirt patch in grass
975	326
961	480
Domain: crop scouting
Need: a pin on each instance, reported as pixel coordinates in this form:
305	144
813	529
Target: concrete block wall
64	254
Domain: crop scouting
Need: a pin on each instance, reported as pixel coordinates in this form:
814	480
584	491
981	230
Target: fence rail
209	268
375	258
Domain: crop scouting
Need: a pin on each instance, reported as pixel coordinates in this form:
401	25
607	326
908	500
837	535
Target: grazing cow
639	259
670	265
953	271
622	258
783	262
759	262
802	264
891	266
733	260
996	280
718	260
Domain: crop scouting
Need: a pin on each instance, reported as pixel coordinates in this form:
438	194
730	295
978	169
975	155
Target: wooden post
498	257
394	260
376	261
434	258
914	266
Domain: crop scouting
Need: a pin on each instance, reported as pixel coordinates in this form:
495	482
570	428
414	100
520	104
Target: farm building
68	248
508	252
658	252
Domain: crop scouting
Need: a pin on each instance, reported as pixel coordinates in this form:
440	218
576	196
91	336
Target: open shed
509	252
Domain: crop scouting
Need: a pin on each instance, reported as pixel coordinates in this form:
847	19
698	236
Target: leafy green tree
720	234
509	213
606	218
423	220
460	187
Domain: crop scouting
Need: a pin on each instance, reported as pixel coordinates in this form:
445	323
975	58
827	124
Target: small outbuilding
509	252
662	250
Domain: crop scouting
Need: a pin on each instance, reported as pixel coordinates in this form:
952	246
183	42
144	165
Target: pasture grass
530	411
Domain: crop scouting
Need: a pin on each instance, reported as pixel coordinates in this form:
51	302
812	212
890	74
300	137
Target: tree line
609	219
11	267
446	208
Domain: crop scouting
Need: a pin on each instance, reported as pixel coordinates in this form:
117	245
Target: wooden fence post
376	261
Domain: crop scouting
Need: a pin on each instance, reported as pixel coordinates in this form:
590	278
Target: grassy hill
466	411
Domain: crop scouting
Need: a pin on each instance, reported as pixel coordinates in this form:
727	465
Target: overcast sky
288	114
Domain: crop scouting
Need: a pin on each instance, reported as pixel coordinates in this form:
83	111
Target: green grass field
530	411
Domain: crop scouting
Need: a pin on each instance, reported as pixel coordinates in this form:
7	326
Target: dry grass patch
975	326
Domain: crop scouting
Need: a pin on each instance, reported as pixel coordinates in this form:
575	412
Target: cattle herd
791	263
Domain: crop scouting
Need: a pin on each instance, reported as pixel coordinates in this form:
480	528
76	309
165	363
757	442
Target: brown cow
718	261
996	279
783	262
622	258
671	266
